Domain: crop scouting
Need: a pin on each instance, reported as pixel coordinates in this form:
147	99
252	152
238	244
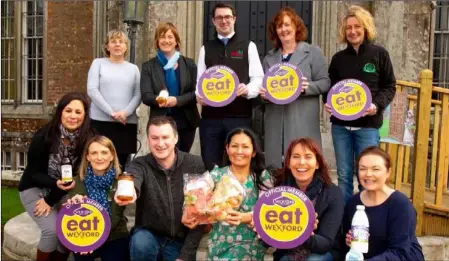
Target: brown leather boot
43	256
58	256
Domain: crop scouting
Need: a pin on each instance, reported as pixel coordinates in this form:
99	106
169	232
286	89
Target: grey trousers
49	240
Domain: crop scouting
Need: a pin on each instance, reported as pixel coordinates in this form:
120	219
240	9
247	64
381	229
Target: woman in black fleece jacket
306	169
369	63
41	186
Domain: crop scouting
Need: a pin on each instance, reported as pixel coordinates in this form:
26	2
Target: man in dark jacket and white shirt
158	180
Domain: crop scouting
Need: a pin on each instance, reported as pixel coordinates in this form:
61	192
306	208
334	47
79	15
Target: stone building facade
46	52
48	46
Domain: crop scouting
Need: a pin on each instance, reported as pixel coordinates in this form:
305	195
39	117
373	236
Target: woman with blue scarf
97	180
176	74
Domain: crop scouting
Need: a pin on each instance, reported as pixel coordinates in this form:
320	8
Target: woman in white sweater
113	85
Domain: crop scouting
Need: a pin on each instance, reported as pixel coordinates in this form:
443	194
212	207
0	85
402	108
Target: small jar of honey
125	187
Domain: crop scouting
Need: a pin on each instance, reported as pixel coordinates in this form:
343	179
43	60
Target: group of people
98	130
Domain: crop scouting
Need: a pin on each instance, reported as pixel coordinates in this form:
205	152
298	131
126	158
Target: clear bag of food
228	194
209	202
197	194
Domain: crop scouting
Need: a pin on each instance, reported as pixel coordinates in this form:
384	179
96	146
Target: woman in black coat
167	85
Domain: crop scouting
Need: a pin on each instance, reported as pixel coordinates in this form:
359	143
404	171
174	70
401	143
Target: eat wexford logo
83	227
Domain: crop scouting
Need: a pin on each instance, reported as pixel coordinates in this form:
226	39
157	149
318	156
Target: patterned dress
227	242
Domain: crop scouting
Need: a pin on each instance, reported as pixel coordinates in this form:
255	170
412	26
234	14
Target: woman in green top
244	160
97	180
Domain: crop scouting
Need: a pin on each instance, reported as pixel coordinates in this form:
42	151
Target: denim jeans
213	134
347	146
110	251
146	246
313	257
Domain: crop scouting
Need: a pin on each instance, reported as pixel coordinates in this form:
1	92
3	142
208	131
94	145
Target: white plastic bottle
360	230
353	255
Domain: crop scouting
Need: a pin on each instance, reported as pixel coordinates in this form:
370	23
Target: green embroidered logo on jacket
369	68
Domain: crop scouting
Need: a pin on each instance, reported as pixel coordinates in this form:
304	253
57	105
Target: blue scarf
98	186
170	74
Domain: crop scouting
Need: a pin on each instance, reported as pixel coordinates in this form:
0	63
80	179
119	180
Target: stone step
130	210
21	236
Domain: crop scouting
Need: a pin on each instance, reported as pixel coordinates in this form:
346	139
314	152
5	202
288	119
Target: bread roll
162	98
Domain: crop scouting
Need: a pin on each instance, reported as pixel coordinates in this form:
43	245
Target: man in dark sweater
243	58
158	180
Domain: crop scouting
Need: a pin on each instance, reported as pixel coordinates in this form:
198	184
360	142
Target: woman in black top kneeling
306	169
391	216
41	186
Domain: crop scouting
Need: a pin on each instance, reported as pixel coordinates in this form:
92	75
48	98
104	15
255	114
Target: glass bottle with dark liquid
66	168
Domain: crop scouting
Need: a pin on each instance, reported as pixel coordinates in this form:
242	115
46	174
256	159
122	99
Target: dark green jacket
118	219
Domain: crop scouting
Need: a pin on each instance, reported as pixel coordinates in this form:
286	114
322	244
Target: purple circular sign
83	227
218	86
283	82
284	217
349	99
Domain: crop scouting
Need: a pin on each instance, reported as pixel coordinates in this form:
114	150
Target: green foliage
11	205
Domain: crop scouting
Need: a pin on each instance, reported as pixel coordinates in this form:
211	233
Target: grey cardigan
301	118
112	88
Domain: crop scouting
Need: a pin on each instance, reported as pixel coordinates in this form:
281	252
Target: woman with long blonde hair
97	180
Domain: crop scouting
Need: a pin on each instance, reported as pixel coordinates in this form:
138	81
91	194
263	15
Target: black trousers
185	139
213	134
122	159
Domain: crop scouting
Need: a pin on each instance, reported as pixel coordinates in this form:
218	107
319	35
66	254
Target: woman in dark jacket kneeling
41	187
306	169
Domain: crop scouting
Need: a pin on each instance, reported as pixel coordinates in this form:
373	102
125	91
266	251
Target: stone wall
404	29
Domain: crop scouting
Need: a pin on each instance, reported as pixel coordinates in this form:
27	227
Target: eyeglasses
221	18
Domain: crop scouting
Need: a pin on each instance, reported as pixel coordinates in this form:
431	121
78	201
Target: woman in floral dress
235	239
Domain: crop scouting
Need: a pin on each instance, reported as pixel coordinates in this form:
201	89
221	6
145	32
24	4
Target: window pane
441	45
6	160
7	51
39	70
39	26
32	51
31	94
39	46
30	26
30	48
39	7
21	160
